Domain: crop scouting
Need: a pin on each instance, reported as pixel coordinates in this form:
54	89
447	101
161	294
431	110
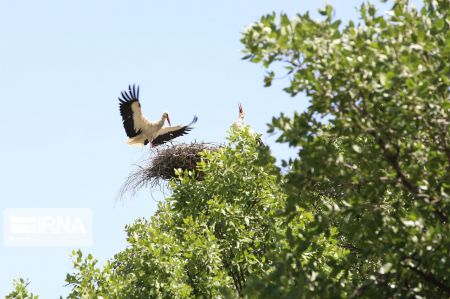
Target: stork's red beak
240	109
168	120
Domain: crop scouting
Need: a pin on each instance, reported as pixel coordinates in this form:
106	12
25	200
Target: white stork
239	125
139	129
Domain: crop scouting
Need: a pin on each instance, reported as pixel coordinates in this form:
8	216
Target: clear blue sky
62	67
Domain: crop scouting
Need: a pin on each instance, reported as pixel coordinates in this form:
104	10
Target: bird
239	122
239	125
139	129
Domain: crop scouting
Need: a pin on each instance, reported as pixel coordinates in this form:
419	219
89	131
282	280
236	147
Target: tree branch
392	158
431	279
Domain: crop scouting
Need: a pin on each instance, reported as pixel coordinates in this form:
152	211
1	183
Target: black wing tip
134	92
194	120
131	95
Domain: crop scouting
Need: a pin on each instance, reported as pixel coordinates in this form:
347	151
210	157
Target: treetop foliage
205	240
380	169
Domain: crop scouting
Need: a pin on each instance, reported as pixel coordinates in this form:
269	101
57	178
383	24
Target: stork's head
241	111
166	116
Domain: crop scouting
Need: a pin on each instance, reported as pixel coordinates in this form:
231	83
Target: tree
363	210
20	290
378	168
205	240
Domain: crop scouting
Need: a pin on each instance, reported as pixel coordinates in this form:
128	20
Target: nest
162	164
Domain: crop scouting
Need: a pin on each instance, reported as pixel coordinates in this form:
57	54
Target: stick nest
162	163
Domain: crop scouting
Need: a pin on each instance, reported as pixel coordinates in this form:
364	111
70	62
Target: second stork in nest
239	125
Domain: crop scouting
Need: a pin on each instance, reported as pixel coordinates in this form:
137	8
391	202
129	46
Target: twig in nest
162	164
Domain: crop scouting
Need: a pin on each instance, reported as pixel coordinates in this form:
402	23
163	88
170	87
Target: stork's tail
137	141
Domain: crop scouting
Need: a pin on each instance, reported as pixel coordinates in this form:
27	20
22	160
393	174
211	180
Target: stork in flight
139	129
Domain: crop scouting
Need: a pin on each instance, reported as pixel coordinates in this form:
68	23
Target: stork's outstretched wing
168	133
130	110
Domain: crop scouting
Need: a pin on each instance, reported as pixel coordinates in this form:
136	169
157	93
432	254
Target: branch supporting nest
162	164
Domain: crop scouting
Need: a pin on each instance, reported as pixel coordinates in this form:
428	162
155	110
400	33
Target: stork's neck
160	122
